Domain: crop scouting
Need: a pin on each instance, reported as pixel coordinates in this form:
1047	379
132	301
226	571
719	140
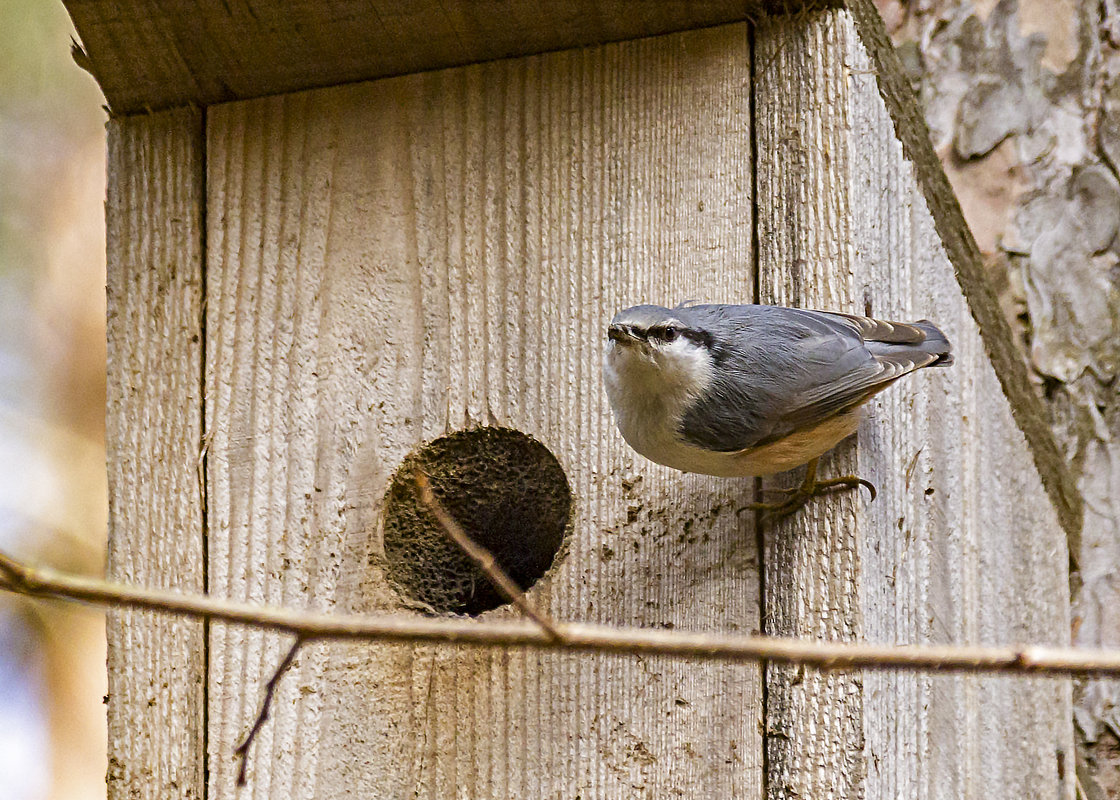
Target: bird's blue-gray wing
782	370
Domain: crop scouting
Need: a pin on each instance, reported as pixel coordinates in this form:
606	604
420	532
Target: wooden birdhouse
346	237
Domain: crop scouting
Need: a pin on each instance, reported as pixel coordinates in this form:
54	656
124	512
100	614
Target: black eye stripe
670	333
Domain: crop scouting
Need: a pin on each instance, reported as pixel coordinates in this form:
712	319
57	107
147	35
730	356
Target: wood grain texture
968	263
963	544
391	261
154	433
159	55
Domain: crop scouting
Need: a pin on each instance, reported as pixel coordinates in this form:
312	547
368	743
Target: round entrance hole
505	489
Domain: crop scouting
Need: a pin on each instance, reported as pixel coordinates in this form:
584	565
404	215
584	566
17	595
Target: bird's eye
670	334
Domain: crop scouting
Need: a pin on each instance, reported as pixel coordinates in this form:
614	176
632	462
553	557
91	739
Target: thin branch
242	751
578	637
482	558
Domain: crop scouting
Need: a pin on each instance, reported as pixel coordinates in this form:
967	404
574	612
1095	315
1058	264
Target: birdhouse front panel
393	262
317	296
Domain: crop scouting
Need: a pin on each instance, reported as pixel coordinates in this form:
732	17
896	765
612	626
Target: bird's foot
798	496
843	483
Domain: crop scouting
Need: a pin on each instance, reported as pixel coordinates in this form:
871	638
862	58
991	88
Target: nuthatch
750	390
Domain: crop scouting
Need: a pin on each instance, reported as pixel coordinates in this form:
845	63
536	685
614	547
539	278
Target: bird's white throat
651	386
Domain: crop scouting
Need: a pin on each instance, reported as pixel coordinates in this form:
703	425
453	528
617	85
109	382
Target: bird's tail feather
936	343
927	346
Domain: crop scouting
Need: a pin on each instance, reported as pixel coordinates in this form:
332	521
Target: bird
753	390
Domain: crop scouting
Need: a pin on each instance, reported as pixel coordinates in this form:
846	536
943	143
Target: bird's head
652	348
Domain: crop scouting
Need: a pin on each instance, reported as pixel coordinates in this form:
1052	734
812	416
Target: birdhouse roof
151	56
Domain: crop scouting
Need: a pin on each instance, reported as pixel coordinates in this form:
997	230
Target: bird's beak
623	334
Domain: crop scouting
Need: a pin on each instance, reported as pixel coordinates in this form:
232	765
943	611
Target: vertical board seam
757	298
203	444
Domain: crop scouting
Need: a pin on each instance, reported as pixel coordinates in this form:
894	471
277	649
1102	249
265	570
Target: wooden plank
149	55
392	261
1030	414
157	664
963	544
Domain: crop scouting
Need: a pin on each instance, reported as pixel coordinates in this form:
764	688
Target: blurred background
52	403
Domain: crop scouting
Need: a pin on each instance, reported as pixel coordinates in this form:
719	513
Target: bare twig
1038	659
242	751
483	558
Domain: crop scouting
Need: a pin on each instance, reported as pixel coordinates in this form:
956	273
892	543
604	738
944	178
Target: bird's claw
845	482
798	496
